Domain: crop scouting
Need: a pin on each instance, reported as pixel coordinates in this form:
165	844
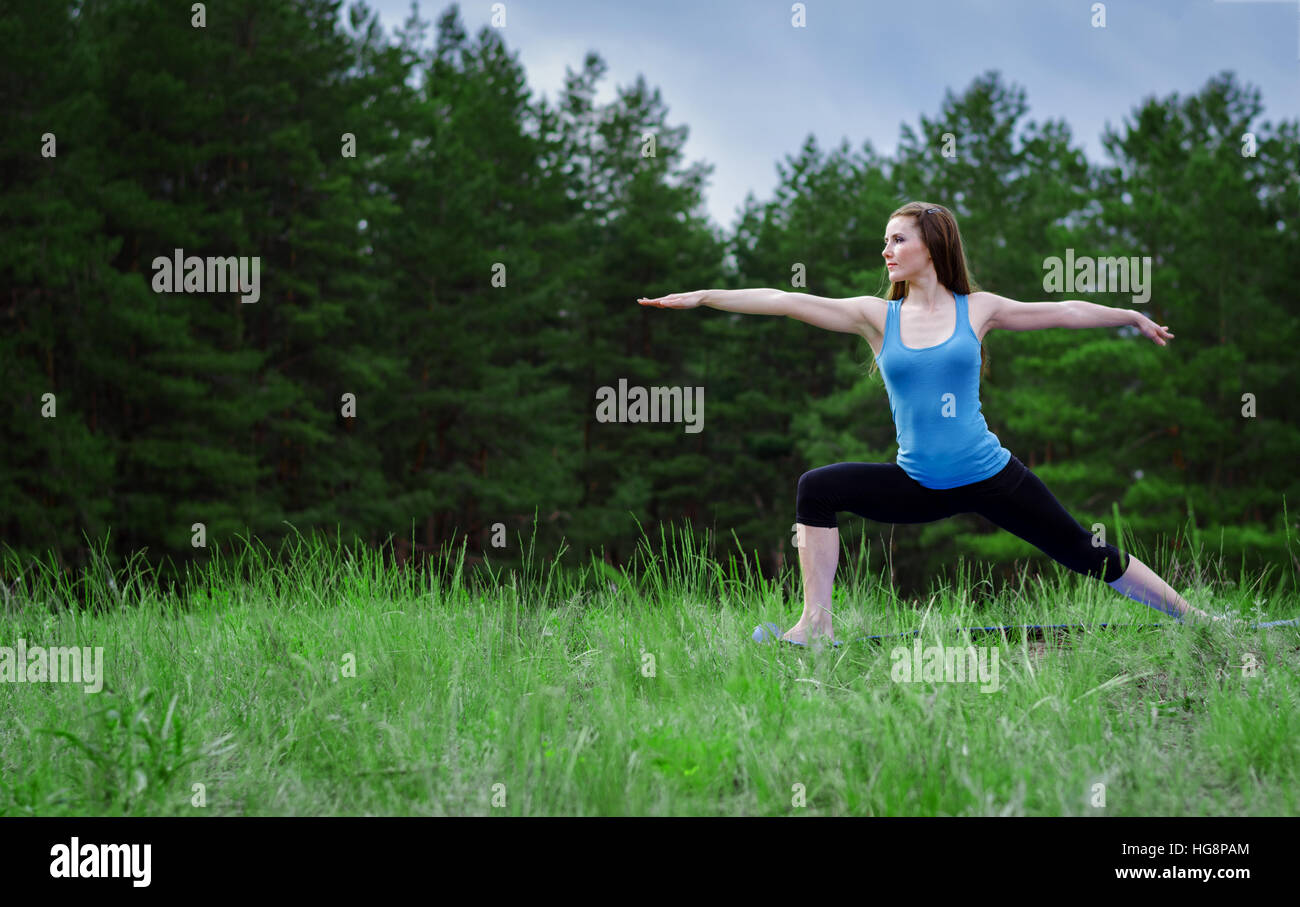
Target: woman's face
905	254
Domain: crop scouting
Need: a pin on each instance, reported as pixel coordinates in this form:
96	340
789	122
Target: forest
416	284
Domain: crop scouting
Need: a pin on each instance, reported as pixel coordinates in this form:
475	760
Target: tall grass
324	680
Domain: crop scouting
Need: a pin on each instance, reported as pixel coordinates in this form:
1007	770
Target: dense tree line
449	271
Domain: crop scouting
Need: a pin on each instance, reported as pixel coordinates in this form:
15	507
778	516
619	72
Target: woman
927	341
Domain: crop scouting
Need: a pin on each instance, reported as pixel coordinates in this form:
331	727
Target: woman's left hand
1159	333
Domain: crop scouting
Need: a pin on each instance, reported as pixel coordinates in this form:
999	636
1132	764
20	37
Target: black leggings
1014	499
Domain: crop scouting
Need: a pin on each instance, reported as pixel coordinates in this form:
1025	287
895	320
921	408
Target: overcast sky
751	86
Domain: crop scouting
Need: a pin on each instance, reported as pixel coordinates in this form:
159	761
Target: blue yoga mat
770	632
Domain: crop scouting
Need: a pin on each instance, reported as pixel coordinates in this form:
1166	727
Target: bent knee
813	482
814	500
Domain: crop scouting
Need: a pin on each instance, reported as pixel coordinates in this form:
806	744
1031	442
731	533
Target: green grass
600	692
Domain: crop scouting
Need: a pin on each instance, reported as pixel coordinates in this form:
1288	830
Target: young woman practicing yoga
927	342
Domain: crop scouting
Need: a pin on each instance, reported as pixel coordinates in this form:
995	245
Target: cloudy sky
751	86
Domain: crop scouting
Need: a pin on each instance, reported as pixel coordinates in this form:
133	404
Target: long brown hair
942	238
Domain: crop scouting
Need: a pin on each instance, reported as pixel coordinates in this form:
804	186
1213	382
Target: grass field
326	683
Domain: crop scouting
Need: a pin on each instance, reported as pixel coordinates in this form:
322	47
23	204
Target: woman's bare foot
807	630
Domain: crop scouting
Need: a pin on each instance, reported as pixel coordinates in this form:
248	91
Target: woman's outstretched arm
763	301
1010	315
842	315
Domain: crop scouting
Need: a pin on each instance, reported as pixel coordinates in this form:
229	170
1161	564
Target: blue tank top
943	440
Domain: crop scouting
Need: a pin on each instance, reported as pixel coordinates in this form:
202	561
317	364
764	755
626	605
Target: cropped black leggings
1014	499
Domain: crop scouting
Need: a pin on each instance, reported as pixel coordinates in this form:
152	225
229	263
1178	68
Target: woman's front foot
806	631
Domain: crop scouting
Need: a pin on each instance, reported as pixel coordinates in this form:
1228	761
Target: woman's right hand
676	300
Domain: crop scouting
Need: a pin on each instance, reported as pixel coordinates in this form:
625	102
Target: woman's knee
1104	562
814	503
